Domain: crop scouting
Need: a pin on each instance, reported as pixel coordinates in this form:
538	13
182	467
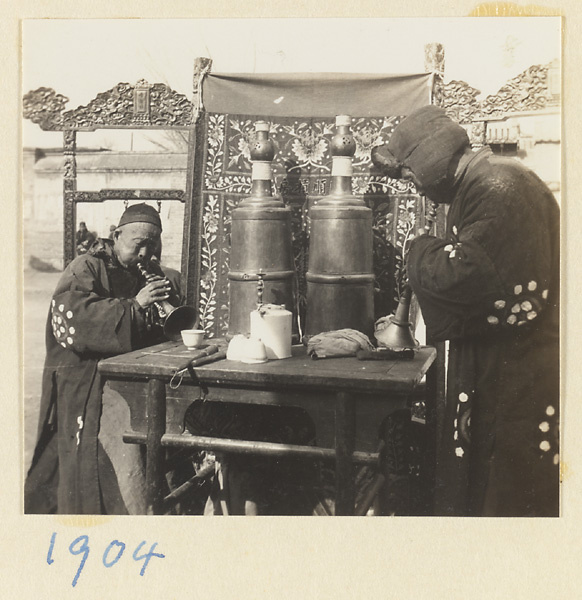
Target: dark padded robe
491	287
92	315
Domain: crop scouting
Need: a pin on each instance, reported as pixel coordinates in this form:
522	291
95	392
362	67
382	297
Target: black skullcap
140	213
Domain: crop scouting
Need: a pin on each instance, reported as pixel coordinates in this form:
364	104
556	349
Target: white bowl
236	347
192	338
254	351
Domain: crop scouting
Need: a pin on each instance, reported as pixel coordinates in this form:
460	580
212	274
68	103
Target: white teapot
271	324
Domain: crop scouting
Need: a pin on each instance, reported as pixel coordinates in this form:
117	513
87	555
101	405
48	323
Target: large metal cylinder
340	278
260	243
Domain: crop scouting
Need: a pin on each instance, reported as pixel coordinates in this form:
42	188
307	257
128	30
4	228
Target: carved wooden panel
138	106
44	107
460	101
143	195
530	90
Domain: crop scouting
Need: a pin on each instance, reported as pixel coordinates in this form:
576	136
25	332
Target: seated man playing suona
100	308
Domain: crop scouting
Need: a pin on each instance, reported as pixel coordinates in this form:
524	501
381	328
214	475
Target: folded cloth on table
343	342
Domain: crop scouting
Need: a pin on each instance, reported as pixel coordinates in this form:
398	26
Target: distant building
96	170
533	138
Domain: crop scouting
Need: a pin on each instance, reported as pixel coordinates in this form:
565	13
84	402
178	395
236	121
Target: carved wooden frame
125	106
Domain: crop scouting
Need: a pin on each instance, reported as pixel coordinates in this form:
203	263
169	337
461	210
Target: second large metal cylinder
340	279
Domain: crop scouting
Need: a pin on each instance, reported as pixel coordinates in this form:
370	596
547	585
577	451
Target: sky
80	58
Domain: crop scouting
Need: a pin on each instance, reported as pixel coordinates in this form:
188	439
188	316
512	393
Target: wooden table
347	399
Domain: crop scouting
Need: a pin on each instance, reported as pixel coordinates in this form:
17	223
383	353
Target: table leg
345	433
435	399
156	424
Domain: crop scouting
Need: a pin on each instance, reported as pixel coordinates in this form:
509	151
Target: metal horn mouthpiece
173	318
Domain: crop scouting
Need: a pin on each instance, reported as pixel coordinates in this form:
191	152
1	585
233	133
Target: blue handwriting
111	555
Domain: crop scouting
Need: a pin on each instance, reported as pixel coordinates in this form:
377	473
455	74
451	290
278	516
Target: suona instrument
172	318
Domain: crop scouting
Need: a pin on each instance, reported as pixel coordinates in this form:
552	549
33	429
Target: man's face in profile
136	242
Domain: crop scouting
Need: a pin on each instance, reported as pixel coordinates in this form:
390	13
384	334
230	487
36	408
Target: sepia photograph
292	267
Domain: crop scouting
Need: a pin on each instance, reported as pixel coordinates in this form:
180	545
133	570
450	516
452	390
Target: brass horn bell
398	333
174	318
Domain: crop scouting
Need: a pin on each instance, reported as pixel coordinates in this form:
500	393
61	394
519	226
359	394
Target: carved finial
202	66
434	58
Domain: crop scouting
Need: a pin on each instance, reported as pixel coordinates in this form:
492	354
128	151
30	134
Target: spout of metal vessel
340	278
398	334
260	242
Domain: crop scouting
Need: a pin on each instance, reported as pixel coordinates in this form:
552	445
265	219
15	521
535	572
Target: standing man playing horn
99	309
491	287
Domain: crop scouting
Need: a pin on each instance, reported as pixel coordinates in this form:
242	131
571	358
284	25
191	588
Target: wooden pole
69	189
194	183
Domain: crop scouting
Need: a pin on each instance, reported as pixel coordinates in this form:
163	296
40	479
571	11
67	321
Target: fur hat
426	142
